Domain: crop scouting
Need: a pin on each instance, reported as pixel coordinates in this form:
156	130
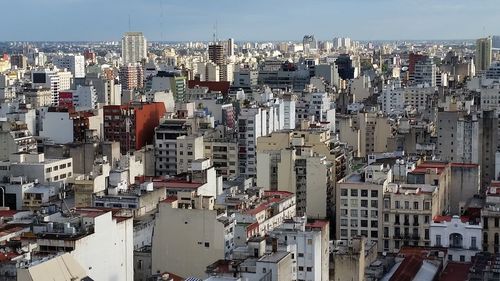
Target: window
309	241
426	219
386	217
387	203
374	193
364	223
309	269
56	168
354	213
69	164
364	203
301	255
343	222
396	204
407	205
62	166
438	240
374	204
364	193
427	205
207	245
473	243
301	268
343	192
48	170
426	234
354	192
496	222
415	205
462	258
56	178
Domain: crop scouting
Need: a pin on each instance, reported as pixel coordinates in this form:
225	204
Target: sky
255	20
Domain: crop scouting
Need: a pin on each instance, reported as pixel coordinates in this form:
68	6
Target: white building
288	121
462	238
98	240
57	126
309	245
134	47
35	167
85	97
73	63
252	124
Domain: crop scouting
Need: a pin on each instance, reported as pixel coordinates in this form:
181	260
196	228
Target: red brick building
132	125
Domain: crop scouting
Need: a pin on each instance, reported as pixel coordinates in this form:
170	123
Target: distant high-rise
309	43
216	53
230	47
496	42
483	53
134	47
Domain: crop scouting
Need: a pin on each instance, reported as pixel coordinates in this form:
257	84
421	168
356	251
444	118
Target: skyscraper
216	53
483	53
134	47
230	47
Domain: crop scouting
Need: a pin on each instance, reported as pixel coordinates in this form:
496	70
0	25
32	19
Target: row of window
356	192
55	168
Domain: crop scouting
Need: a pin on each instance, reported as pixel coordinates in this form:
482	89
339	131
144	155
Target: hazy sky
179	20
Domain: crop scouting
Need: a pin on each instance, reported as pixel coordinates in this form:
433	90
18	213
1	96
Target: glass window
354	192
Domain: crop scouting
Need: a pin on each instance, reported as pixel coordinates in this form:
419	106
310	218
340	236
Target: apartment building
188	148
490	215
407	213
308	243
358	203
35	166
224	156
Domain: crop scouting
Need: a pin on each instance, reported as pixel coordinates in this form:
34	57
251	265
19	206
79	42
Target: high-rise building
132	125
21	61
309	43
496	42
131	76
483	53
216	53
73	63
230	47
425	73
134	47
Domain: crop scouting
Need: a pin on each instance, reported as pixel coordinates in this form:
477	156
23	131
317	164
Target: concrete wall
185	241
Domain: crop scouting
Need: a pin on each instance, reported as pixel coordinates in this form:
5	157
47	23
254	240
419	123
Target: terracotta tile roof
455	271
408	269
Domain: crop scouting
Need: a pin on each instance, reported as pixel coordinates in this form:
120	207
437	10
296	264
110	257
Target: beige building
224	156
15	137
367	132
38	97
351	261
359	203
189	148
85	186
491	219
298	170
407	212
189	235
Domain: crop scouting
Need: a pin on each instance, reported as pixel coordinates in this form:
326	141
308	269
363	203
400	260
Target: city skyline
162	20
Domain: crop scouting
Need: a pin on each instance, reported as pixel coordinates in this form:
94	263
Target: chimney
275	244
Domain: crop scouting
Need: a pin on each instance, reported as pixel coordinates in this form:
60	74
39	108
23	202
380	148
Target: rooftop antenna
215	33
129	24
161	20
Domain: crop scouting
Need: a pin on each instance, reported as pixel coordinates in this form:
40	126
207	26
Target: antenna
161	20
129	24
